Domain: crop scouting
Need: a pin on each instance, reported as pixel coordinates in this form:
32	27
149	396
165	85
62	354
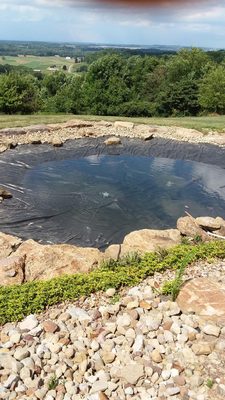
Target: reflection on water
96	200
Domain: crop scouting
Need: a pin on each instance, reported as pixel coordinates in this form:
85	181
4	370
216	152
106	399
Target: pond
96	199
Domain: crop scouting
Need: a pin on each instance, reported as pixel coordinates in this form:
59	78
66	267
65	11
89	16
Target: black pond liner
90	194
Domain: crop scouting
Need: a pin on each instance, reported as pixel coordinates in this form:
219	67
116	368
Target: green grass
38	62
205	124
18	301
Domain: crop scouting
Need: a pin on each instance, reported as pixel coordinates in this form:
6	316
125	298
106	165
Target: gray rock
12	379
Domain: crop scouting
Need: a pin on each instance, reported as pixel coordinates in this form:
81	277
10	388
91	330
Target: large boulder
113	252
208	223
147	240
124	124
76	123
3	147
189	227
8	244
5	194
112	141
12	270
47	261
220	231
203	297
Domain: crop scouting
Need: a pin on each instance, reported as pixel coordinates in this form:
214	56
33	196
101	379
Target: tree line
190	83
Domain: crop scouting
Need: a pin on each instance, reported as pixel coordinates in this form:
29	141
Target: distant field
40	63
205	124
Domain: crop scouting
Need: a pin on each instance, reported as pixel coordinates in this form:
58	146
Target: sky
197	23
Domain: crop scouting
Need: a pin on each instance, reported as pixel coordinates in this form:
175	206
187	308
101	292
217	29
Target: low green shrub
53	383
18	301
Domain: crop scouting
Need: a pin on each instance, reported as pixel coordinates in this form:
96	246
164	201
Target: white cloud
88	20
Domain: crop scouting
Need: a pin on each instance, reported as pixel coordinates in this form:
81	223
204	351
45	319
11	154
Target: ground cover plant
18	301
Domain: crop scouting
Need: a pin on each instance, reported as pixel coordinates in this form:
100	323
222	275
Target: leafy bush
18	301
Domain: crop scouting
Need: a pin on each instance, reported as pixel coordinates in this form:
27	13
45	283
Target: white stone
8	362
110	292
92	378
123	320
20	388
153	320
95	345
166	374
135	291
132	304
99	386
40	393
28	323
21	353
94	396
168	336
28	362
138	344
79	313
211	330
129	391
25	373
175	328
174	372
171	391
15	337
69	386
12	379
132	373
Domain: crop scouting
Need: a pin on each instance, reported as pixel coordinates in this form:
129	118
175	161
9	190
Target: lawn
207	123
39	63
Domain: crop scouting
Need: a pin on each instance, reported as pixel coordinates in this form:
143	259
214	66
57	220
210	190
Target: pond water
98	199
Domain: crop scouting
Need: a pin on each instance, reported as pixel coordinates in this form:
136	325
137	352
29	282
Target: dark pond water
97	200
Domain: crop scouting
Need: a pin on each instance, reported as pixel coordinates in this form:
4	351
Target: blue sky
199	24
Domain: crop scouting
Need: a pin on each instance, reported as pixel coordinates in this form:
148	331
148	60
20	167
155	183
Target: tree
54	82
18	94
212	90
104	88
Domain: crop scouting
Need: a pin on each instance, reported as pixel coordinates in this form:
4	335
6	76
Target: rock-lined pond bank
57	134
119	344
27	261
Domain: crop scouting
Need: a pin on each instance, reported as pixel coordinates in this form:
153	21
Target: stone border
57	134
29	260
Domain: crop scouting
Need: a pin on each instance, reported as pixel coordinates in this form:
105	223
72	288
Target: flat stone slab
203	297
